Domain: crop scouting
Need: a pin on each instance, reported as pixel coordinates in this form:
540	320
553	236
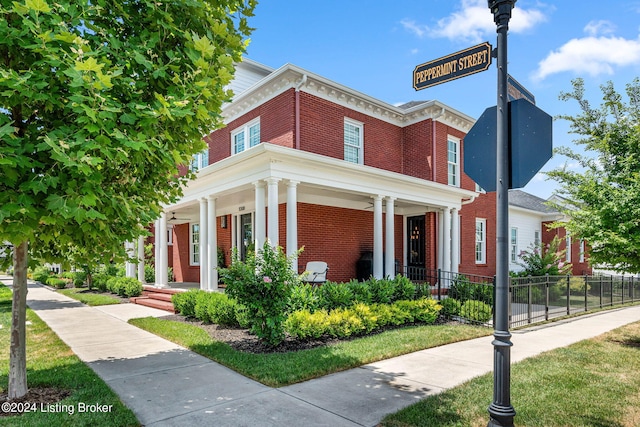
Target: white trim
513	246
482	241
192	244
568	244
245	131
455	164
359	126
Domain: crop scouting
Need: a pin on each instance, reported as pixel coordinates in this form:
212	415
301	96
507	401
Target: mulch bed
35	399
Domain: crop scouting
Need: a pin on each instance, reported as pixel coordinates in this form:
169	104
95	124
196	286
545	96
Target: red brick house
307	162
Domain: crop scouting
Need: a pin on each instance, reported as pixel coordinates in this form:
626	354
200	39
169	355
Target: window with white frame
568	253
581	255
194	244
353	141
246	136
170	235
536	237
453	161
481	239
200	160
514	244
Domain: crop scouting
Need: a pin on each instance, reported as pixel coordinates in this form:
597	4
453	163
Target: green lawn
591	383
88	297
50	363
280	369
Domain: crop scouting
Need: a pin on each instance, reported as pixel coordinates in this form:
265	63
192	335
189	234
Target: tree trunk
18	347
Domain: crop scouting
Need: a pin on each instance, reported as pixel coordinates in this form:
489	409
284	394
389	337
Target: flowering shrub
542	259
262	284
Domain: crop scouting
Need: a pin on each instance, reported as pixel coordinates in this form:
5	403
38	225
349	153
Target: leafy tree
100	101
603	200
540	259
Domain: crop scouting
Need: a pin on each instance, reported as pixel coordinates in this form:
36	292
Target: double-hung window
200	160
568	253
453	161
353	141
246	136
194	244
581	254
481	241
514	244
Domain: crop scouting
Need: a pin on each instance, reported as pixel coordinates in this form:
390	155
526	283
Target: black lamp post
500	411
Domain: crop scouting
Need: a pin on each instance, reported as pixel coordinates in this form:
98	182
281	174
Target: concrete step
155	303
157	295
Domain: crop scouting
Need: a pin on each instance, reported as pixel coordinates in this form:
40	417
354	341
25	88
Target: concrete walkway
166	385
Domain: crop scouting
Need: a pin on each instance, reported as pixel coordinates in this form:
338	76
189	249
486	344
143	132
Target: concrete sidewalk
166	385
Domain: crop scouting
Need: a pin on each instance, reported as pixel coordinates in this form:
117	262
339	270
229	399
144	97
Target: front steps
159	298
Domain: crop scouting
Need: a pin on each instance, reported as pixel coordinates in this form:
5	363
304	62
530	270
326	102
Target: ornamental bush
222	309
404	289
382	290
303	297
56	282
335	295
41	274
476	311
262	284
360	290
306	325
185	302
450	307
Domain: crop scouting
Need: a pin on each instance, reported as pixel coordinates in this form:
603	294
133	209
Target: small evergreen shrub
222	309
305	325
404	289
382	290
113	285
423	290
185	302
366	315
130	287
303	297
450	307
41	274
476	311
335	295
100	281
202	307
360	290
56	282
344	323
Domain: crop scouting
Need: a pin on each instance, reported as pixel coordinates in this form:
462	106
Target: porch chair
315	272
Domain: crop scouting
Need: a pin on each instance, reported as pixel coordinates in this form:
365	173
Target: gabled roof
528	201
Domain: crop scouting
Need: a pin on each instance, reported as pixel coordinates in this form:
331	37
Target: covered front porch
336	210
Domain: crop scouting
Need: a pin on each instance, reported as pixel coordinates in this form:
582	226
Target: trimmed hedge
210	307
126	287
56	282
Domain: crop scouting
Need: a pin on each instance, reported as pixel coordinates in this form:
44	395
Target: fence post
586	285
600	291
611	292
494	301
439	283
529	302
632	290
546	297
568	294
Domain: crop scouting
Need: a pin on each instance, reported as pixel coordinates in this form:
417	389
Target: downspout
433	143
297	112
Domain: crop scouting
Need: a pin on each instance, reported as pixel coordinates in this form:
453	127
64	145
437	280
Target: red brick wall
578	268
417	150
277	124
322	132
483	207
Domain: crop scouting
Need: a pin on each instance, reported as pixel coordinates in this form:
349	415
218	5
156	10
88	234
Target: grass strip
51	363
280	369
90	298
591	383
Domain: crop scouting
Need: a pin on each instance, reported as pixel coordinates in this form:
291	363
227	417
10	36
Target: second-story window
453	162
245	137
200	160
353	141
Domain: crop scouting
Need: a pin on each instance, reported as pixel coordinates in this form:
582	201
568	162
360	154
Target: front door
246	234
416	247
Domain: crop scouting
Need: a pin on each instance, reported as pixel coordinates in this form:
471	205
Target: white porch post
389	249
260	231
129	266
212	244
272	219
141	259
161	275
455	240
377	237
204	266
446	243
292	222
439	249
156	250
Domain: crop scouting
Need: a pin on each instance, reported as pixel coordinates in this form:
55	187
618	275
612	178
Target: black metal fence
533	299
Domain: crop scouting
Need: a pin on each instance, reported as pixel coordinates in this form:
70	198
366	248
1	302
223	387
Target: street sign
460	64
530	145
516	91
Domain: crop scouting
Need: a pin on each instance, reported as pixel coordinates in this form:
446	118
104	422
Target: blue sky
373	46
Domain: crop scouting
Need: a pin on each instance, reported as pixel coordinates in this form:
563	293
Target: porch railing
533	299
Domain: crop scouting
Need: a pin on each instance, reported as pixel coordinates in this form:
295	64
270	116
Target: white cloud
595	28
473	22
590	55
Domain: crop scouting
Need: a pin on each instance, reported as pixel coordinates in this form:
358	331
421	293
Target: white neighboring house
527	213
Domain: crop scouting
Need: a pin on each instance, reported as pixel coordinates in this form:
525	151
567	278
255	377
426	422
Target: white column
204	266
212	244
292	222
141	259
446	243
260	231
161	276
377	237
156	250
439	246
455	240
272	219
390	246
129	266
